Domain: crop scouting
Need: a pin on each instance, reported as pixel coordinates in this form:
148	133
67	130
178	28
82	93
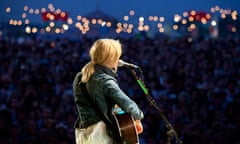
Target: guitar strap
111	128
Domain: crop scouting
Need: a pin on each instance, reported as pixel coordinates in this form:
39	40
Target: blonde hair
102	52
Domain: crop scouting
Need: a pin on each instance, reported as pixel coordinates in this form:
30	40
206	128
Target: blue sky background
116	8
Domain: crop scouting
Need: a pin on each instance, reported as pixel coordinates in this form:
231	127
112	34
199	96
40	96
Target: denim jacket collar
105	70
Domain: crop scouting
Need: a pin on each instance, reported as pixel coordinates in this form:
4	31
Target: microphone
122	63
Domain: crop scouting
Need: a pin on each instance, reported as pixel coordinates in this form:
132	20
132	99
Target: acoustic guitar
126	128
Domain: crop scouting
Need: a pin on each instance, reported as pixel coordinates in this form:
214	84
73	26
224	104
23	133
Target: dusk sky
118	9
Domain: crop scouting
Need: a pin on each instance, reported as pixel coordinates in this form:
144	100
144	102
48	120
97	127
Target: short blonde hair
102	52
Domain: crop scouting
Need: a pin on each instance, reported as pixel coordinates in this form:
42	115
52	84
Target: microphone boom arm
171	131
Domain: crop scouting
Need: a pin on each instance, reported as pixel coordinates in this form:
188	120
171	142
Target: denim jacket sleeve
111	92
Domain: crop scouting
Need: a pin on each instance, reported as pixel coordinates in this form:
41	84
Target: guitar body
126	128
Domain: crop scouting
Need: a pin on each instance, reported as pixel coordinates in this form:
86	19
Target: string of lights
58	21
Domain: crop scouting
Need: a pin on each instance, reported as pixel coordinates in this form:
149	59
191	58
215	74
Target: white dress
94	134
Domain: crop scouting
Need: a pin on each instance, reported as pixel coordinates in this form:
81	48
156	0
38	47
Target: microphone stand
171	132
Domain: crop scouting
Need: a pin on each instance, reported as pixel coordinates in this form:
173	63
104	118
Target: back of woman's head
102	52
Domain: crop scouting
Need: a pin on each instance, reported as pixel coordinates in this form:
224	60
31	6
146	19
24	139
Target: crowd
195	82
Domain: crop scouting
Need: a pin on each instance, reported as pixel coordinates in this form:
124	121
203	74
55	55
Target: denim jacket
105	91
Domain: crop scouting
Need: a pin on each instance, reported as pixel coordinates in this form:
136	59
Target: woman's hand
139	127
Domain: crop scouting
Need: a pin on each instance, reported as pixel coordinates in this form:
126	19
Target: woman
99	75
